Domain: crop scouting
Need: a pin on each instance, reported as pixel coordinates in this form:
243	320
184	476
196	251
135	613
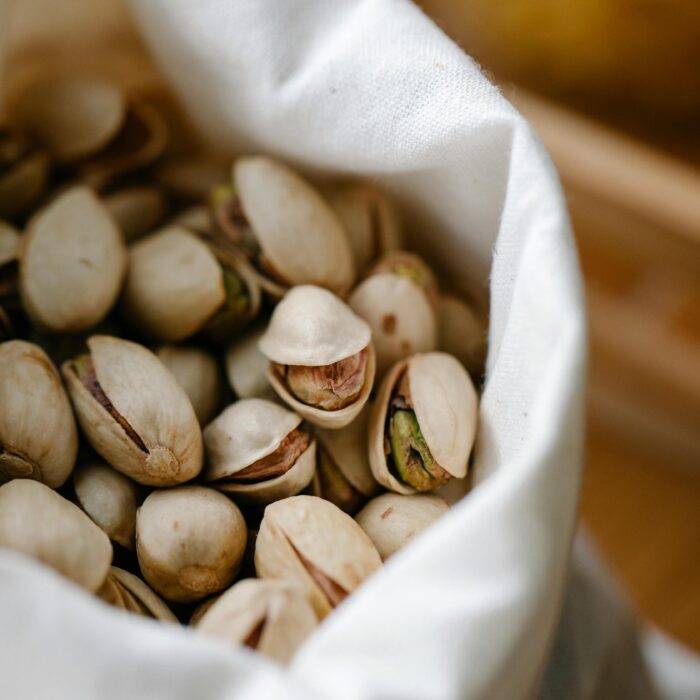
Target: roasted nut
284	228
189	541
38	435
422	424
392	520
134	413
462	333
197	372
259	452
110	499
309	541
271	617
136	210
246	367
124	590
38	522
72	263
191	178
322	360
178	285
24	171
9	244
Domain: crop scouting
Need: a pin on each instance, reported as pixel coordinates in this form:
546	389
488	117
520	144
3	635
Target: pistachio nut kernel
311	542
134	413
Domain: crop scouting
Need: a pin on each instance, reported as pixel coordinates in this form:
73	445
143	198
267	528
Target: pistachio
311	542
134	413
38	522
258	451
9	244
178	285
322	361
246	367
124	590
370	220
462	333
38	435
282	225
72	117
24	172
190	541
110	499
271	617
73	262
422	424
191	178
392	520
411	266
201	608
197	372
196	218
136	210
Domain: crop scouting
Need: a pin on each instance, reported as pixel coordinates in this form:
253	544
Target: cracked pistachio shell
110	499
190	542
147	397
313	327
310	542
9	244
38	522
245	432
462	333
38	435
246	367
402	319
197	372
392	520
130	593
72	264
445	405
136	210
272	617
370	220
296	228
72	117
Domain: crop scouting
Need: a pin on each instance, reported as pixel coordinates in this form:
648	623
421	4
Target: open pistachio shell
72	264
197	372
72	117
370	220
402	319
24	173
38	522
271	617
136	210
110	499
38	435
257	451
190	542
441	416
134	590
134	413
311	542
392	520
297	231
246	367
462	332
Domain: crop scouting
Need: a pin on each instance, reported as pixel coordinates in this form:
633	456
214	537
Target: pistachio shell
272	617
462	333
196	218
311	542
72	263
21	186
38	522
110	499
411	266
191	177
445	406
246	367
297	230
9	244
150	604
148	398
190	541
38	435
136	210
313	327
197	372
400	315
73	117
391	520
370	220
201	608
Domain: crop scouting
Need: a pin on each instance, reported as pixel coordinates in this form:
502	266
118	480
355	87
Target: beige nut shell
445	404
144	597
72	264
462	332
147	395
38	522
297	229
38	434
246	367
136	210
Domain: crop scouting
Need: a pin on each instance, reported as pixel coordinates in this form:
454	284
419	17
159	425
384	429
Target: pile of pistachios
256	379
